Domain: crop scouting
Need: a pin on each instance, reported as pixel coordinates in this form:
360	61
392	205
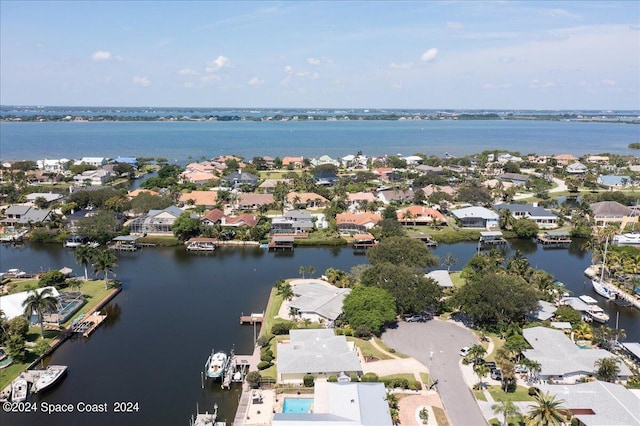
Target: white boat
48	377
74	241
588	300
598	314
632	239
19	390
216	364
602	289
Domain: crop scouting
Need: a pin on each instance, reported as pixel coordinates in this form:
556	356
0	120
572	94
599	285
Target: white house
318	352
477	217
92	177
92	161
53	166
317	300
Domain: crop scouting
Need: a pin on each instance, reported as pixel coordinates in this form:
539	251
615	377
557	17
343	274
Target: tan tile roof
420	212
358	218
305	197
248	199
201	198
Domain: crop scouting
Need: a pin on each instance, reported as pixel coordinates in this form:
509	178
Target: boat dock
125	243
255	317
88	325
202	244
281	242
364	241
554	239
491	238
426	238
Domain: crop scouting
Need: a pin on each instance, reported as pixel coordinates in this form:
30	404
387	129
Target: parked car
520	369
465	351
492	365
496	374
415	318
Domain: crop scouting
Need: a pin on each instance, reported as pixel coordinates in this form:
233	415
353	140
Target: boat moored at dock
216	364
19	389
49	377
598	314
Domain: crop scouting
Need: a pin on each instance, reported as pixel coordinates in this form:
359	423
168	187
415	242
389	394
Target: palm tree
84	255
103	263
507	409
547	411
583	331
481	371
476	351
607	369
39	302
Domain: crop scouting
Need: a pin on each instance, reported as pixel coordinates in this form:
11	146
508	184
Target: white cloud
537	84
141	81
101	55
255	81
288	69
402	66
210	77
320	61
608	82
453	25
218	63
429	55
188	85
397	86
187	71
562	13
313	61
315	76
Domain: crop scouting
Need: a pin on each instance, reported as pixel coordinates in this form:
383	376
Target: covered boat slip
125	243
201	244
281	242
491	238
554	239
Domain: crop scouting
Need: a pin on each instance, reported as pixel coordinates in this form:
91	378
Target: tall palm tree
481	371
476	351
507	409
84	256
39	302
547	411
607	369
103	263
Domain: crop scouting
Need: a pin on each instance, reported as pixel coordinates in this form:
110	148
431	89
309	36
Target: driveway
436	344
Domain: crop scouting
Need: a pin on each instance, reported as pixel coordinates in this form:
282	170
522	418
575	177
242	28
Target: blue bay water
181	141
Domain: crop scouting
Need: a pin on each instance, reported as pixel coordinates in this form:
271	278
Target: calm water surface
175	307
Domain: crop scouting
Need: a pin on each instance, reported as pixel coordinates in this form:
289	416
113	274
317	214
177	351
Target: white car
464	351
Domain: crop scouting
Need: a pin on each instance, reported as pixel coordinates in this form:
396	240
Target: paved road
443	340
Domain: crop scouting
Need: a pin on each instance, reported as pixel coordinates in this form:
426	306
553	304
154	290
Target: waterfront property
441	277
542	217
491	238
341	403
156	221
12	303
317	300
476	217
560	359
554	239
319	353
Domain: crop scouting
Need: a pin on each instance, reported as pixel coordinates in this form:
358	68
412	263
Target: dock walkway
245	398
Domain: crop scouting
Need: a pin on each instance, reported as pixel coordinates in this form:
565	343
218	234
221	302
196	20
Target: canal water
176	307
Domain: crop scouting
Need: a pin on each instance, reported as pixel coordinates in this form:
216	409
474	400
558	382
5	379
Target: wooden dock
554	239
251	319
281	242
88	325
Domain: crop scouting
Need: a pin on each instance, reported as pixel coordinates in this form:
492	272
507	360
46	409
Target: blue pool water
297	405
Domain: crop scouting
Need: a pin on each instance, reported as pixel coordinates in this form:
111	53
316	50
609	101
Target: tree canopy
492	298
402	251
185	226
100	227
369	306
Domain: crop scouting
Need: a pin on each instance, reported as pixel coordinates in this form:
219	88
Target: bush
396	383
282	328
348	332
369	377
264	340
253	379
263	365
362	331
533	391
339	331
415	385
308	380
18	326
332	379
266	357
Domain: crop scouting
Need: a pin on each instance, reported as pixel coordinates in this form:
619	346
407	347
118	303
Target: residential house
543	218
476	217
213	217
324	159
156	221
507	158
565	159
543	312
432	189
597	403
423	168
396	196
441	277
292	222
325	178
269	185
357	222
96	177
245	219
613	181
293	162
92	161
25	215
49	197
609	212
576	168
198	178
318	352
133	194
597	159
239	178
317	300
412	160
420	215
354	161
207	199
516	178
53	166
249	201
360	198
343	403
309	200
561	359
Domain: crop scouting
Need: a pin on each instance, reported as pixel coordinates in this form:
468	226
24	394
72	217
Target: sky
336	54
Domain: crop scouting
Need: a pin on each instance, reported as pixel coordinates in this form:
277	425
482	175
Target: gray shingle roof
322	299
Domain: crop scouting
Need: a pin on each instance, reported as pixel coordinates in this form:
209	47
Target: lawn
426	378
497	344
457	279
94	292
479	395
521	394
273	306
367	348
18	285
388	349
441	416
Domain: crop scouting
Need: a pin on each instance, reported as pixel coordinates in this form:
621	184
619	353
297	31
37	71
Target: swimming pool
297	405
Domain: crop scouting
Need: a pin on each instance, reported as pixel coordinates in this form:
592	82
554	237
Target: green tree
144	201
568	314
286	291
494	298
100	227
51	278
18	326
402	251
546	411
39	302
507	408
186	226
369	306
104	262
84	255
607	369
525	228
16	348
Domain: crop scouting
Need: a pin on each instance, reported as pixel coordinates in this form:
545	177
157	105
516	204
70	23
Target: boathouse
281	242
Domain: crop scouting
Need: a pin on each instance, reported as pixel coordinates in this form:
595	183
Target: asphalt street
437	344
